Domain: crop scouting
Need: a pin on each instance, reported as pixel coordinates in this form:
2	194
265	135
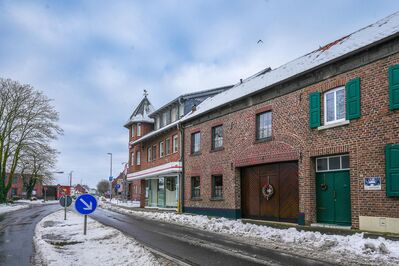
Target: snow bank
129	203
4	208
34	202
59	242
342	249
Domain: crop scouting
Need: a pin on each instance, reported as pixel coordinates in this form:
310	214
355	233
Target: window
138	130
167	146
264	125
167	117
195	187
132	131
154	152
138	160
132	159
334	106
149	155
196	142
161	149
217	137
163	122
175	145
332	163
157	122
217	186
174	114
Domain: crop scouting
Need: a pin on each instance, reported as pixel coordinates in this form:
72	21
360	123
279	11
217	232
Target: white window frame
138	129
132	159
167	147
335	106
328	163
149	154
173	114
175	144
132	131
138	159
161	149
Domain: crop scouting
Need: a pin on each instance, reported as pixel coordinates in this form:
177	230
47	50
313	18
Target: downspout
181	205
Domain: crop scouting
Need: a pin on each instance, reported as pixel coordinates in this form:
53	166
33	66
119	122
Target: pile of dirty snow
60	242
336	248
4	208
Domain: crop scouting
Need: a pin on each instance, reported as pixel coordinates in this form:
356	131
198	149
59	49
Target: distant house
19	191
79	189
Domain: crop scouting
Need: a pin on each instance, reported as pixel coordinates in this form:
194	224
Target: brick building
315	141
18	190
154	148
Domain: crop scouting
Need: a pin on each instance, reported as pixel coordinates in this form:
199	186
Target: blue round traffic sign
85	204
118	186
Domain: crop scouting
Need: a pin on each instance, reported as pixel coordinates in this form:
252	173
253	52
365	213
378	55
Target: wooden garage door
283	205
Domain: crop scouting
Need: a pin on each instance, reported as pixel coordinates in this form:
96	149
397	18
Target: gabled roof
140	114
343	47
191	95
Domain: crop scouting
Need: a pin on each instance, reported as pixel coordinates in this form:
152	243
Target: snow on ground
351	249
60	242
129	203
37	201
4	208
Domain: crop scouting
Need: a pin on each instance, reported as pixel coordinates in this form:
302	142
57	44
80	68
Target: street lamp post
110	176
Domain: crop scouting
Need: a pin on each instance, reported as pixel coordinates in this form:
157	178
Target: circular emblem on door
267	191
323	186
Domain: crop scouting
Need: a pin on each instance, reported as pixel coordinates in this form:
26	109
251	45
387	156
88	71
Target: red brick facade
364	139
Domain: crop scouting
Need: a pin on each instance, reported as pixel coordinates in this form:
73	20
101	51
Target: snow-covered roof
141	113
360	39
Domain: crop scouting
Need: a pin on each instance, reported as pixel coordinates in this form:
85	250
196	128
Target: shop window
171	183
264	125
195	187
217	137
332	163
217	186
195	142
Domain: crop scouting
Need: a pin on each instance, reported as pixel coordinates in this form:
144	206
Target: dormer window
174	114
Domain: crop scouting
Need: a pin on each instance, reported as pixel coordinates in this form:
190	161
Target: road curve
193	246
16	233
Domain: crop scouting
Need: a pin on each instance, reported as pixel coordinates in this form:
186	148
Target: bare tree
27	119
36	166
102	187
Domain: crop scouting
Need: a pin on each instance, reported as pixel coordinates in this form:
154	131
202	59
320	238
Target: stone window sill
263	140
217	199
217	149
338	124
196	199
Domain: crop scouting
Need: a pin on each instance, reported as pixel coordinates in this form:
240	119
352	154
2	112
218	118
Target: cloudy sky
94	58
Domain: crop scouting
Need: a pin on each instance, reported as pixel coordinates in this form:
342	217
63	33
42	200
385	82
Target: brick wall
364	139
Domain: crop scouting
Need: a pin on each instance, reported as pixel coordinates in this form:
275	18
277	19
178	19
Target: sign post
85	204
65	201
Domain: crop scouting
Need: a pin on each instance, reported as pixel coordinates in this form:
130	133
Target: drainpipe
181	176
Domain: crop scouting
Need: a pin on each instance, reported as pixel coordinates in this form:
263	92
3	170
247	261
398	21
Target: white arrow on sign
88	207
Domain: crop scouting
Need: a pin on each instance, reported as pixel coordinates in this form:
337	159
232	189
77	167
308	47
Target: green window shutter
392	169
393	76
314	109
353	99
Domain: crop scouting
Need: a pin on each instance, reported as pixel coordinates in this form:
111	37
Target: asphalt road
193	246
16	233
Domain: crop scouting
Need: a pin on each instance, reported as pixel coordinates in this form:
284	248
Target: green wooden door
333	198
